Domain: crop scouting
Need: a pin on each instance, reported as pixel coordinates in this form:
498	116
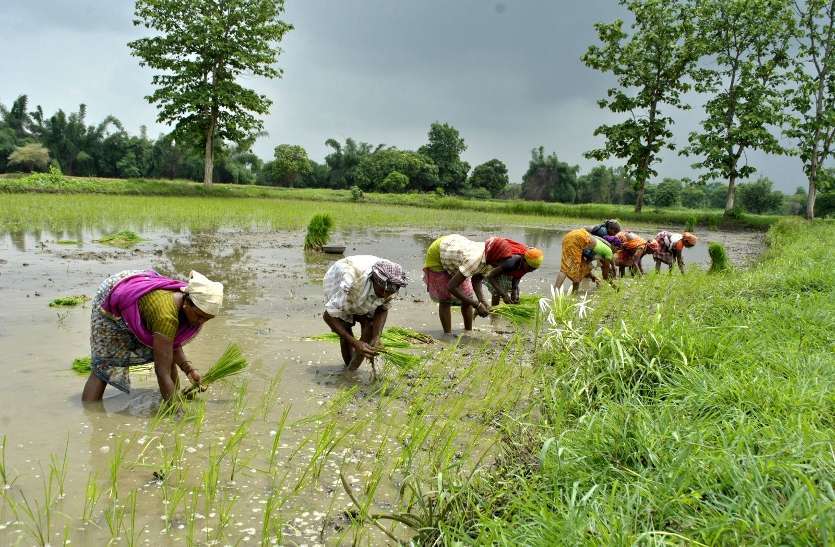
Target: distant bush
356	193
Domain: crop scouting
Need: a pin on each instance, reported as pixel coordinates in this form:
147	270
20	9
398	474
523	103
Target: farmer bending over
509	261
141	317
453	271
668	247
579	250
360	289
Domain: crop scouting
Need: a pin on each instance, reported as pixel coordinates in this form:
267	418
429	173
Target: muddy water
273	303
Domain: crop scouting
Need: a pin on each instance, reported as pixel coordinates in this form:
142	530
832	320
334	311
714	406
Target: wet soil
273	303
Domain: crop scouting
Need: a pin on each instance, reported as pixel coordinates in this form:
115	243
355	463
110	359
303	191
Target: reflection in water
316	264
543	237
208	254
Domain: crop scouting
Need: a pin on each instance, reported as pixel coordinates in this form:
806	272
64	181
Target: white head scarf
204	293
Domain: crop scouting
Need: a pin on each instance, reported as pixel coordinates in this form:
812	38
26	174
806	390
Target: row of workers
140	317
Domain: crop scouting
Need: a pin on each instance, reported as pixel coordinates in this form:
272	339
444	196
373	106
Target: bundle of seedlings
399	359
519	314
392	337
125	238
69	301
318	232
718	258
232	362
83	365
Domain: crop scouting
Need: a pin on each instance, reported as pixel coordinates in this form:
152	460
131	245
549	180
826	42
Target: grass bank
712	218
679	410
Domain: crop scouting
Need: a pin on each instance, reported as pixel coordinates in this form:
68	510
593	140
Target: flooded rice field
274	455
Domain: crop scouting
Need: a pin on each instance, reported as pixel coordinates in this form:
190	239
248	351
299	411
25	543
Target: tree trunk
209	160
810	199
639	201
729	201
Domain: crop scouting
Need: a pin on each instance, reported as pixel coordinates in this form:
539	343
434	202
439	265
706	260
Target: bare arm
337	326
185	365
163	365
377	324
680	261
514	291
454	287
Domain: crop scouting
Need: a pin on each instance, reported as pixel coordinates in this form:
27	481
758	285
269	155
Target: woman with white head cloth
141	317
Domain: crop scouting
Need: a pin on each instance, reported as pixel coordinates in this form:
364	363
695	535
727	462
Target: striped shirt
349	290
160	313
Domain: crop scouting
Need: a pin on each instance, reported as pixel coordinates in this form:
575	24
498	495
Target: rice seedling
69	301
4	476
519	314
399	359
409	334
132	534
718	258
58	471
232	447
82	365
92	494
115	467
68	242
279	430
232	362
124	238
318	232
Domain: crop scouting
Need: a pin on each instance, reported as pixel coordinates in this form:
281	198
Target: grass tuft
69	301
124	238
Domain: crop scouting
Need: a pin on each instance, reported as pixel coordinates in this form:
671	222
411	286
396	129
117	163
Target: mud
273	302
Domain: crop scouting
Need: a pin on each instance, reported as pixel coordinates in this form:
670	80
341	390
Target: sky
506	74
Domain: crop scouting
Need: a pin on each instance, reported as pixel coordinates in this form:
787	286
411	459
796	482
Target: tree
374	168
344	159
549	179
759	197
668	193
201	49
693	196
444	149
290	164
490	175
812	97
745	46
395	182
650	66
30	157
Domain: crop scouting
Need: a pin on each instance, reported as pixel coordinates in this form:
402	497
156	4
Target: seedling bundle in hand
519	314
391	338
230	363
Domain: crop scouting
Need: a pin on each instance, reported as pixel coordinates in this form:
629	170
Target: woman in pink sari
140	317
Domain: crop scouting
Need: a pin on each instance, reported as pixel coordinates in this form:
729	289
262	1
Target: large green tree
344	159
199	50
445	148
650	64
813	93
490	175
374	168
744	46
290	164
549	179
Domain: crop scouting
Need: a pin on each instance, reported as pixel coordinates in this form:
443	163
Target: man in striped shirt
359	289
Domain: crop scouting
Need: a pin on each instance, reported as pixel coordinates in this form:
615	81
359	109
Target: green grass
682	217
122	238
82	365
69	301
691	409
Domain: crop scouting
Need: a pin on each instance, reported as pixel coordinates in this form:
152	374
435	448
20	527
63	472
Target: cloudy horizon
506	74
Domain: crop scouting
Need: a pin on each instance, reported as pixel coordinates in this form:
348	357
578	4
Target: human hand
366	350
514	298
483	310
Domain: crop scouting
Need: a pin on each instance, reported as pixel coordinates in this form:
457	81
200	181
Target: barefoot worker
579	250
141	317
630	249
510	261
453	271
360	289
668	247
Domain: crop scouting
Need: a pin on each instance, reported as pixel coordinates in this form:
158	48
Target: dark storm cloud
506	74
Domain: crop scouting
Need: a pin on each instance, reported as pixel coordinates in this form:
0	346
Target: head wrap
388	272
204	293
534	257
689	239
